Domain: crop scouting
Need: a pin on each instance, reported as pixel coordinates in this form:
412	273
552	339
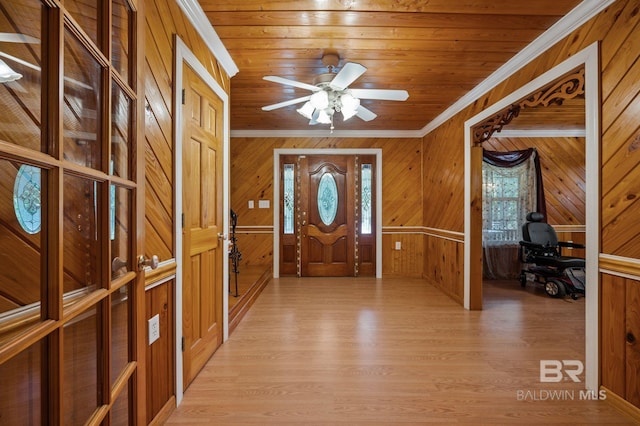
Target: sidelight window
288	198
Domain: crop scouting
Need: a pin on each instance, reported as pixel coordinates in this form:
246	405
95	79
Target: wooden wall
252	179
618	31
164	19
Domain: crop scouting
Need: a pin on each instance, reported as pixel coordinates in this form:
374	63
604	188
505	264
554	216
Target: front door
327	216
202	223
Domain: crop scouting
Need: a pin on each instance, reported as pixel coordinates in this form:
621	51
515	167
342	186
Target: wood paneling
164	20
617	29
612	349
408	260
160	354
437	51
252	179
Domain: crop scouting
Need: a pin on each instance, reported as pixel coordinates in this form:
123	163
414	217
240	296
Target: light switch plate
154	328
263	204
398	245
251	204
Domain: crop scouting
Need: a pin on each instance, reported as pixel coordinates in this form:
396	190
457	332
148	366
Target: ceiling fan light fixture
306	110
320	99
7	74
349	105
324	117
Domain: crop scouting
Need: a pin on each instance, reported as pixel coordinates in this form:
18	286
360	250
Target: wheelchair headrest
535	217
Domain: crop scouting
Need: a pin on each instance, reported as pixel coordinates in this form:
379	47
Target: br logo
553	370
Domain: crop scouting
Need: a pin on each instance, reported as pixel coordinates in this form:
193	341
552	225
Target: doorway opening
588	59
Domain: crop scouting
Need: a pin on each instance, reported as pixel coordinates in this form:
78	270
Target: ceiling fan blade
18	38
382	94
293	83
366	114
347	75
286	103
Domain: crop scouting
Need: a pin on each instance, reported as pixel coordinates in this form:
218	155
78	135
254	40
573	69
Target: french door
327	226
71	288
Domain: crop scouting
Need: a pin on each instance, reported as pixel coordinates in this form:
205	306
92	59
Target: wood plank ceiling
437	50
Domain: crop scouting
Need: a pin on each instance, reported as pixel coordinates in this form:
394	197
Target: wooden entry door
327	216
202	255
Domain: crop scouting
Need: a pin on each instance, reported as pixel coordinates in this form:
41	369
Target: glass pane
85	12
288	198
20	397
82	89
20	73
20	242
80	368
120	38
81	248
119	212
119	331
120	410
327	199
366	199
120	132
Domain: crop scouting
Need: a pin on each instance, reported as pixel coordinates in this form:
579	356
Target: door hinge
182	343
182	220
184	96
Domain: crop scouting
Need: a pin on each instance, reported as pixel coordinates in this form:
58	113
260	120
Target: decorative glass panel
120	32
120	410
26	198
120	131
327	199
366	199
20	248
289	197
82	88
21	94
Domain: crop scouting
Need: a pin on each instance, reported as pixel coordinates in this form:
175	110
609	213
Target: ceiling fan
6	73
331	94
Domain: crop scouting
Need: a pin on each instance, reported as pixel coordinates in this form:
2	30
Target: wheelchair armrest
531	245
572	245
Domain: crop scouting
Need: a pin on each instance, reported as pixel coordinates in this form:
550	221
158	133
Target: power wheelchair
541	254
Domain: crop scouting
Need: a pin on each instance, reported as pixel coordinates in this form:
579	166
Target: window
508	195
288	198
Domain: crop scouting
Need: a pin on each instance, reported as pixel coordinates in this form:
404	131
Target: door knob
117	263
143	261
222	236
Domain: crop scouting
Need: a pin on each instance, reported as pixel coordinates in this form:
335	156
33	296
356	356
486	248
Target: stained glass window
366	199
26	198
327	199
288	198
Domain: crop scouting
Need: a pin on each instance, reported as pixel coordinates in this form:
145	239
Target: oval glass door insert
327	199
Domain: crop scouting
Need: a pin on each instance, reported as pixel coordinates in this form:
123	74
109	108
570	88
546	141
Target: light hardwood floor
393	351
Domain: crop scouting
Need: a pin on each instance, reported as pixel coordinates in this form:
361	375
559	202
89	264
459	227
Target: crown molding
197	17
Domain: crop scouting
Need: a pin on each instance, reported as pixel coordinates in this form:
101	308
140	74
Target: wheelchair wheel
555	288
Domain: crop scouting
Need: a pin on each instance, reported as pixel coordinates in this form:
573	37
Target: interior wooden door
202	288
327	215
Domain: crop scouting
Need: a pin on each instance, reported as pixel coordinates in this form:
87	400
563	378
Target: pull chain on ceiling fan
331	94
